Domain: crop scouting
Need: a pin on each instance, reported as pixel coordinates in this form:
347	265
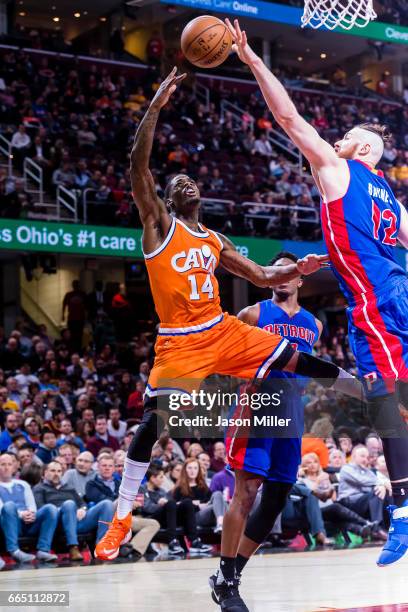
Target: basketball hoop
338	13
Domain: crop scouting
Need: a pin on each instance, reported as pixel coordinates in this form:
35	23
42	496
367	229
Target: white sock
133	474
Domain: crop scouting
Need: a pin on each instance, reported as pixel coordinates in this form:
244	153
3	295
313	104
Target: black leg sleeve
262	519
140	448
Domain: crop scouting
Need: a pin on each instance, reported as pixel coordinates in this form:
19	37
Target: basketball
206	41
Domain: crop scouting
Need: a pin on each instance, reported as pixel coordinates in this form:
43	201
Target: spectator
169	513
47	450
194	450
64	176
67	435
210	506
204	460
219	457
172	475
11	358
318	481
66	452
72	513
303	507
119	459
26	456
263	146
224	481
359	489
75	302
32	428
104	485
19	515
101	438
78	477
20	144
24	378
11	427
116	427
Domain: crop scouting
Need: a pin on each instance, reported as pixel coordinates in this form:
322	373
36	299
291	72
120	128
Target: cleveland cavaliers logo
202	258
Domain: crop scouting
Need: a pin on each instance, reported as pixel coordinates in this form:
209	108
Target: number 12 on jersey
390	231
206	287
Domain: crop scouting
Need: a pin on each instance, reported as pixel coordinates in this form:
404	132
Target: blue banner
267	11
280	13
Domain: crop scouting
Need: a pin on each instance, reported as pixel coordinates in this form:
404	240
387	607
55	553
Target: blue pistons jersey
275	452
360	231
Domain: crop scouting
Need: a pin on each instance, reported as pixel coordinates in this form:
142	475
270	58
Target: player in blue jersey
267	455
362	222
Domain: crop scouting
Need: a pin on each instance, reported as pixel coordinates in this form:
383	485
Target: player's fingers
230	28
325	257
238	28
244	38
171	74
180	77
234	48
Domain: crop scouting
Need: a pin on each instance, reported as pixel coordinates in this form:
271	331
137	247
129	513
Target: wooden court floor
302	582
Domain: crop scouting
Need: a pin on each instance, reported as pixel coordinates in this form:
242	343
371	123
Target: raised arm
318	152
152	210
266	276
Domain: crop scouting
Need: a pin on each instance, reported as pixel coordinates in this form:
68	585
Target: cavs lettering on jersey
184	286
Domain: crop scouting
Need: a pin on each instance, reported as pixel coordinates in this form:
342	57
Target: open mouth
190	192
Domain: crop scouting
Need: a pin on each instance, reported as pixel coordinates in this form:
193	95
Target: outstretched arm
266	276
153	213
316	150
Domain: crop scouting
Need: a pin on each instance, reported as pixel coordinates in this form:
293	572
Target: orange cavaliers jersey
184	286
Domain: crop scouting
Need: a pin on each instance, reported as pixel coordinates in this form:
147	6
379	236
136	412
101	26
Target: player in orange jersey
196	338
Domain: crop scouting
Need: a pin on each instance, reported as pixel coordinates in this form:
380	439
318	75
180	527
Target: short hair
283	254
45	432
154	470
26	446
100	417
376	128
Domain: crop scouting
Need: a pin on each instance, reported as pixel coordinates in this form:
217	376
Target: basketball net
338	13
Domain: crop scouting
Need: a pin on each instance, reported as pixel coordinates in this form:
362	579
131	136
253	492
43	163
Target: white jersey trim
202	234
177	331
218	238
164	243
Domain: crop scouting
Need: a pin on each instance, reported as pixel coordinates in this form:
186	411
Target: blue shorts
378	335
270	450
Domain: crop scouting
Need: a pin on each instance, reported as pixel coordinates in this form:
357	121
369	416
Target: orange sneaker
119	533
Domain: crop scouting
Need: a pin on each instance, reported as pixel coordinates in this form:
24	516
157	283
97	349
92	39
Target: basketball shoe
226	594
119	533
397	542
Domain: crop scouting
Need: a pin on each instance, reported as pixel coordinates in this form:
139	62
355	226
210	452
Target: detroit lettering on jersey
292	332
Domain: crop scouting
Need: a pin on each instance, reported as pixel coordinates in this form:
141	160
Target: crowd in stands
69	408
78	122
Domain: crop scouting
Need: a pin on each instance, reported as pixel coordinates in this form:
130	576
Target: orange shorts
228	347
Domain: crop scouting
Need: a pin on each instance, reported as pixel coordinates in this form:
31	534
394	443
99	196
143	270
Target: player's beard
281	295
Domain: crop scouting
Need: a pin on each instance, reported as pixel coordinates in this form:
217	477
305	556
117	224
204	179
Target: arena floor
303	582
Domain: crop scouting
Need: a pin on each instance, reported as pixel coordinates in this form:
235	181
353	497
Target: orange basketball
206	41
